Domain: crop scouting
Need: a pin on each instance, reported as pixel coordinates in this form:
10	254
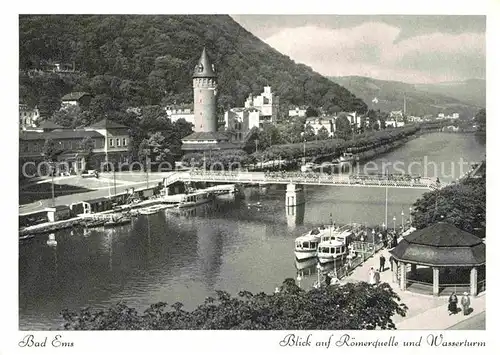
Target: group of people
453	303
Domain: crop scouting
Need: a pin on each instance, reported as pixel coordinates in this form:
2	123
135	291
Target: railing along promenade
298	178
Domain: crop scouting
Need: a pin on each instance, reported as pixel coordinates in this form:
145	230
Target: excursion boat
306	246
117	222
305	264
331	250
151	210
195	198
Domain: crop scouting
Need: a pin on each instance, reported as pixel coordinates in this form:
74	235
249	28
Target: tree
50	152
309	134
343	126
480	119
462	204
323	134
71	116
354	306
156	149
311	112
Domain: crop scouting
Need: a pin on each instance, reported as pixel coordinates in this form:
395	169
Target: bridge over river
294	180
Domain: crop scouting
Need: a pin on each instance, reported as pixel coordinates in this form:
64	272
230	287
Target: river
232	245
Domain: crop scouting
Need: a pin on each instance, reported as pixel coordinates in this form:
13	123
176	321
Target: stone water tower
205	95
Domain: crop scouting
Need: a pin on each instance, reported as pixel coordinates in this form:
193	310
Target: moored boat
195	198
26	237
117	222
306	246
331	250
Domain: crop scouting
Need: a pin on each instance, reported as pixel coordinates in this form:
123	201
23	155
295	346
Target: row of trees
354	306
462	204
336	147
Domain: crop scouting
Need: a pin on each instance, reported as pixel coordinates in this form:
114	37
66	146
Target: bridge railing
312	178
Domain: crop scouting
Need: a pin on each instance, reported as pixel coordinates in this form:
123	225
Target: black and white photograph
285	172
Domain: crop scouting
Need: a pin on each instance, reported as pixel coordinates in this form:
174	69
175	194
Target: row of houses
110	142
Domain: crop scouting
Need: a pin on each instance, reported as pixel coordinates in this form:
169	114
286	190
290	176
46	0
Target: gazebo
442	256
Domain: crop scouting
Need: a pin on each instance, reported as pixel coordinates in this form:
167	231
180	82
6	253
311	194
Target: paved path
424	311
477	322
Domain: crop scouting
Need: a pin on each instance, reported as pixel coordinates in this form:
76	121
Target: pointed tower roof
204	67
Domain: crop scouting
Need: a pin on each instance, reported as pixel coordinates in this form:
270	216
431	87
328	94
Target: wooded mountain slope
136	60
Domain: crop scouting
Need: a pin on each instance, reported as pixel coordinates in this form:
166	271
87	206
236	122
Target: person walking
371	276
452	304
328	279
465	302
382	263
391	261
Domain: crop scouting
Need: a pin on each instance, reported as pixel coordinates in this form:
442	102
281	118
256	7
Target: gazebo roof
441	244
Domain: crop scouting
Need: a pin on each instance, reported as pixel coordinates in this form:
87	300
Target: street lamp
402	221
318	269
394	220
363	246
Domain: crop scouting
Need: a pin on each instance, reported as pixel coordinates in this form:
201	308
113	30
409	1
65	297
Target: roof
66	134
49	125
204	68
204	136
443	234
441	244
74	96
209	146
106	123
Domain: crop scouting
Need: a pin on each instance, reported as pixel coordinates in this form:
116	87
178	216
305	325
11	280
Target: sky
408	48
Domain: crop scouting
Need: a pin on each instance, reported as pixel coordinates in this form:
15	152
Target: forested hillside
132	60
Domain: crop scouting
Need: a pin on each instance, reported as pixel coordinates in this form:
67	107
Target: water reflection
295	216
185	256
210	251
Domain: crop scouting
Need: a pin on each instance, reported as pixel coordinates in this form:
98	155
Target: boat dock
118	212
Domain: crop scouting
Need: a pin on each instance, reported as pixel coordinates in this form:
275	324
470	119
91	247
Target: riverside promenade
425	312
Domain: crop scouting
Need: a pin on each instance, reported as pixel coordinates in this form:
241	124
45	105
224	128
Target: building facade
28	117
75	99
321	123
240	121
267	103
297	112
110	141
176	112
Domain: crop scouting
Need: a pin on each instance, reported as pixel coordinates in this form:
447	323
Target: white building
241	120
177	112
394	123
297	112
28	117
319	123
267	103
